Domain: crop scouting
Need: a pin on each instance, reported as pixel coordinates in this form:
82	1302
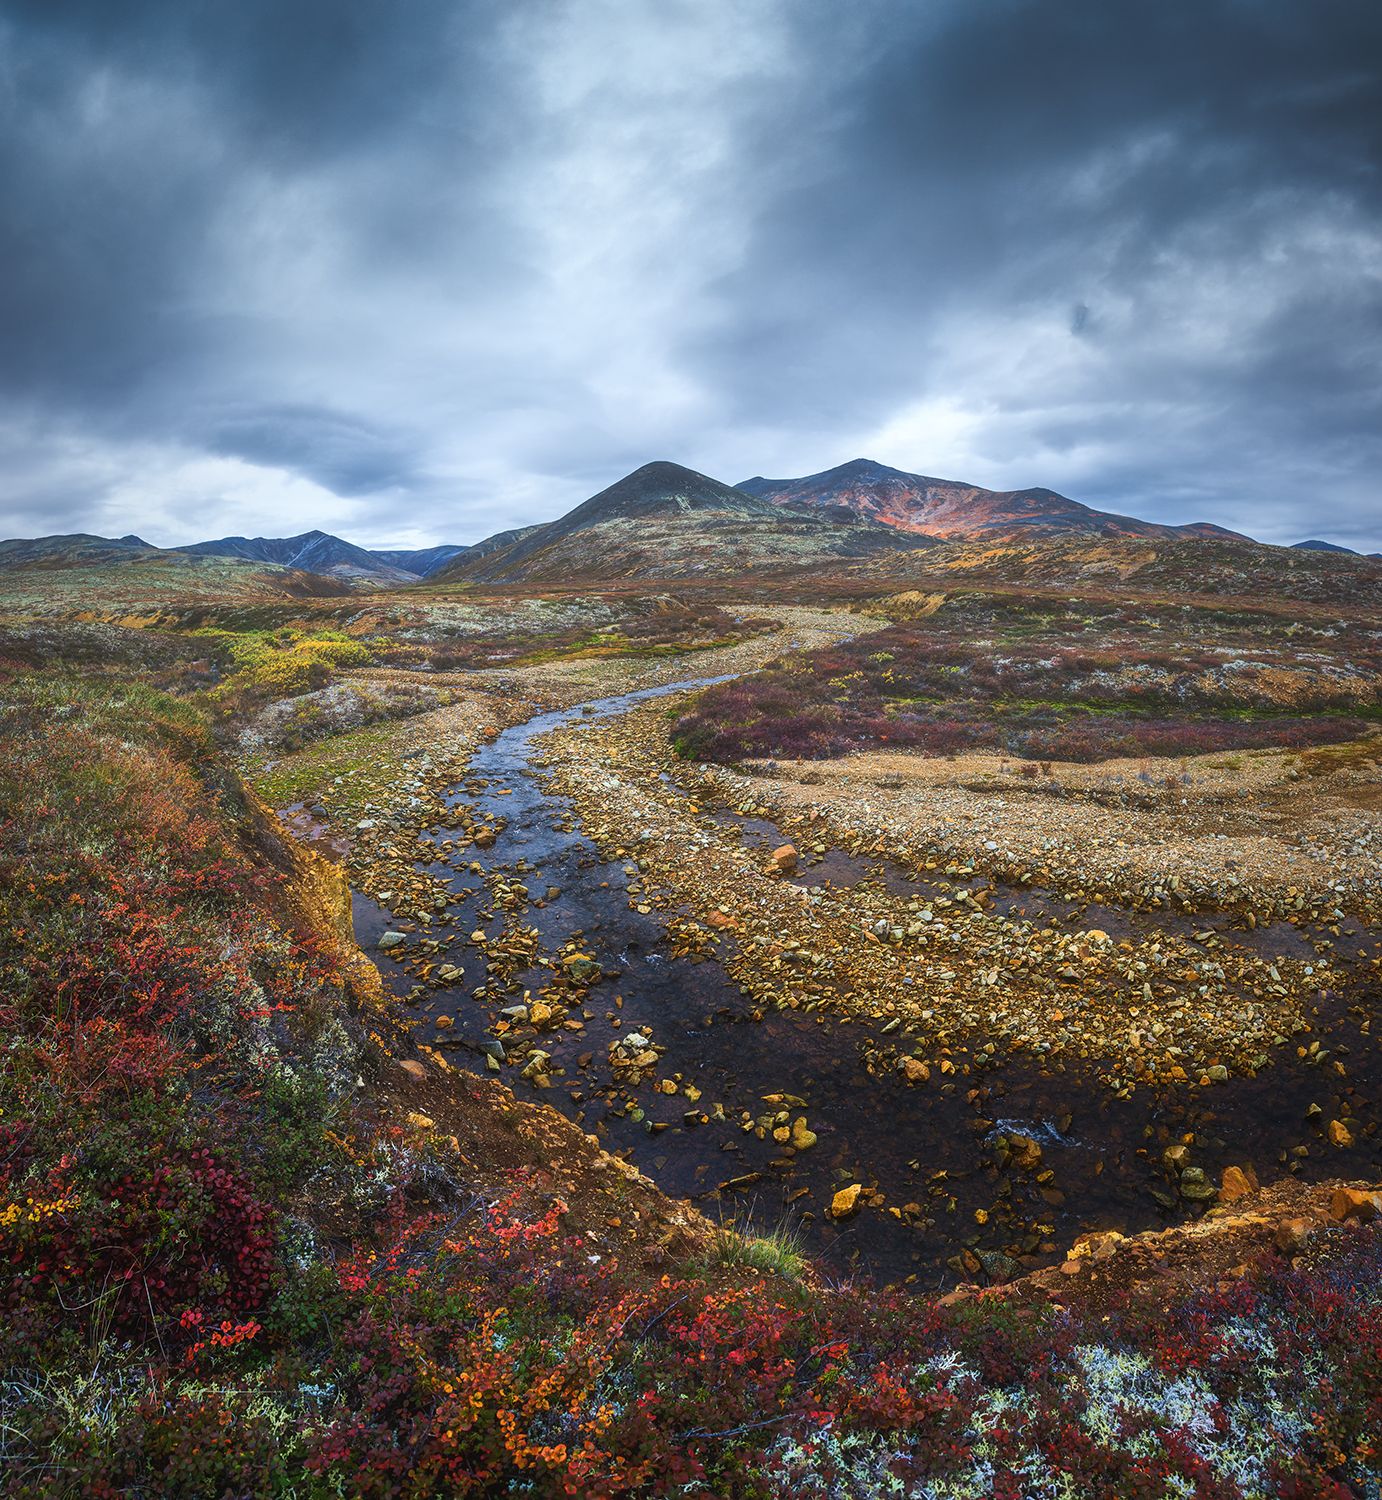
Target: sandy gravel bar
945	969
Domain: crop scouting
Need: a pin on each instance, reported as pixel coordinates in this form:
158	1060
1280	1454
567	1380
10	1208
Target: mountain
111	577
421	562
76	549
954	511
500	540
666	521
1314	545
312	552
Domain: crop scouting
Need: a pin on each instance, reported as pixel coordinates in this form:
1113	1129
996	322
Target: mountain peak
661	487
951	510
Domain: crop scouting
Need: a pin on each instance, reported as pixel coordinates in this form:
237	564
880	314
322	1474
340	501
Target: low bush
931	688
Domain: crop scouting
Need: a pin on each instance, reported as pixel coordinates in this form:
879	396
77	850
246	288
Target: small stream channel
935	1151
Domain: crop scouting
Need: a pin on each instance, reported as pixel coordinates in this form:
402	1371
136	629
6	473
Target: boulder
1236	1183
1339	1134
1292	1235
784	859
845	1203
1363	1204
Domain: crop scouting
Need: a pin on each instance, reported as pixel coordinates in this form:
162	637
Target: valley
935	980
912	944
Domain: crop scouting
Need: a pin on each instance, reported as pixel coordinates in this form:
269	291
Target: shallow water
931	1148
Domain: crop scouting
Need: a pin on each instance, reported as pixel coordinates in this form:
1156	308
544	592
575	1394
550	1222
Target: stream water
935	1152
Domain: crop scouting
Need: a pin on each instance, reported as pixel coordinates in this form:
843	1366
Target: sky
414	271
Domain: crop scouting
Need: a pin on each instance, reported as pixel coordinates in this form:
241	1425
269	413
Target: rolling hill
72	549
955	511
666	521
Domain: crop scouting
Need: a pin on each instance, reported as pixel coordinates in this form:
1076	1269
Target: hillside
98	578
954	510
666	521
75	549
1181	566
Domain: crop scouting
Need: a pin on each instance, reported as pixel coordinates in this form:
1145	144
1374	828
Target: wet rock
390	940
1236	1183
1339	1134
1195	1187
845	1203
803	1138
998	1267
784	859
1025	1153
913	1069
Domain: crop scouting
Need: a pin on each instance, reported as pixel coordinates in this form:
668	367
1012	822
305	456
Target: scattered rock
1339	1134
1292	1235
1195	1186
845	1203
1362	1204
1236	1183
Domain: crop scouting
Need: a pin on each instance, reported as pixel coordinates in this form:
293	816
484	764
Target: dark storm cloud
342	453
420	271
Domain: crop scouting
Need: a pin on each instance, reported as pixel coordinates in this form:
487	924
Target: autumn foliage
221	1276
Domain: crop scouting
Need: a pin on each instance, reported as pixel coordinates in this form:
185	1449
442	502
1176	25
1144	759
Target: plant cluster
1026	684
222	1275
262	665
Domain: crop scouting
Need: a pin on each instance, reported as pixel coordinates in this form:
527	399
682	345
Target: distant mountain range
667	521
1315	545
951	510
320	552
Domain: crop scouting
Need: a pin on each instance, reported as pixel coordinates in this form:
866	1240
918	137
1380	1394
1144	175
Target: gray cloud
417	272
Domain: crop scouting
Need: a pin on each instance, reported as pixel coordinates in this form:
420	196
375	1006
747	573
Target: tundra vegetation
227	1269
1051	682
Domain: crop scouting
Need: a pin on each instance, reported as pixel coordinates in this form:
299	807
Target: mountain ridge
664	520
954	510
